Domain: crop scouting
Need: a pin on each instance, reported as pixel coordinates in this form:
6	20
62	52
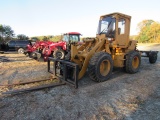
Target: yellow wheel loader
110	48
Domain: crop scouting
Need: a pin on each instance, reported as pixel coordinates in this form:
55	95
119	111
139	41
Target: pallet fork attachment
19	91
68	71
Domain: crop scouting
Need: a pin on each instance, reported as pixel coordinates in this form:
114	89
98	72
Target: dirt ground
123	96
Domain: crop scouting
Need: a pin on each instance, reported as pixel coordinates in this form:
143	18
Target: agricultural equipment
110	48
37	47
61	48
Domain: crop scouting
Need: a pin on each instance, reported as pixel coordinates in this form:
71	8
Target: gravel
123	96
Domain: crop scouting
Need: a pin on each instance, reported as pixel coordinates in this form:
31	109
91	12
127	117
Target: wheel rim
21	51
135	62
59	55
105	67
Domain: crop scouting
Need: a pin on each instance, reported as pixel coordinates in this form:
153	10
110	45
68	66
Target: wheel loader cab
116	28
107	26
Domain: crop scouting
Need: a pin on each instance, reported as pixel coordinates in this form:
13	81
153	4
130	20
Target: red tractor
62	48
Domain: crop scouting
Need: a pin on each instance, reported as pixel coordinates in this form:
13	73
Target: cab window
121	26
74	38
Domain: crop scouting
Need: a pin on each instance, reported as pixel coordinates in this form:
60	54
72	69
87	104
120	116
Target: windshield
107	26
71	38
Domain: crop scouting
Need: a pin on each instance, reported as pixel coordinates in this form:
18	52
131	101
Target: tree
1	32
22	37
34	38
6	32
45	38
9	33
149	31
154	33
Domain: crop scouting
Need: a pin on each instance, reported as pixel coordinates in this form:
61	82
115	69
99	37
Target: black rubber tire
95	64
133	55
20	51
152	57
59	53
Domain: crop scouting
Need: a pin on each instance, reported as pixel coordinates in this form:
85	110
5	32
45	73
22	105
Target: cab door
123	32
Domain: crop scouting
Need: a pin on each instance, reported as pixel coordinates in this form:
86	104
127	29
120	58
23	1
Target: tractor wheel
20	51
100	67
133	62
152	57
59	53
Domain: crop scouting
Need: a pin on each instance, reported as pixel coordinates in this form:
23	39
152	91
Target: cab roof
74	33
116	13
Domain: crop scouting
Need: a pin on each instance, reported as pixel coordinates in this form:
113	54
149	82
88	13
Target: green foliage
35	38
149	31
22	37
56	38
47	38
6	32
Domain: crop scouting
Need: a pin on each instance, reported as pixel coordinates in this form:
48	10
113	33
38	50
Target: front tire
100	67
59	53
20	51
133	62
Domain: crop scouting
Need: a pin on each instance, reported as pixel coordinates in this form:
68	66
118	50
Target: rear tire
133	62
59	53
152	57
100	67
20	51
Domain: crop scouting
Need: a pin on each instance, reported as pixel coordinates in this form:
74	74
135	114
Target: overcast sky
53	17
